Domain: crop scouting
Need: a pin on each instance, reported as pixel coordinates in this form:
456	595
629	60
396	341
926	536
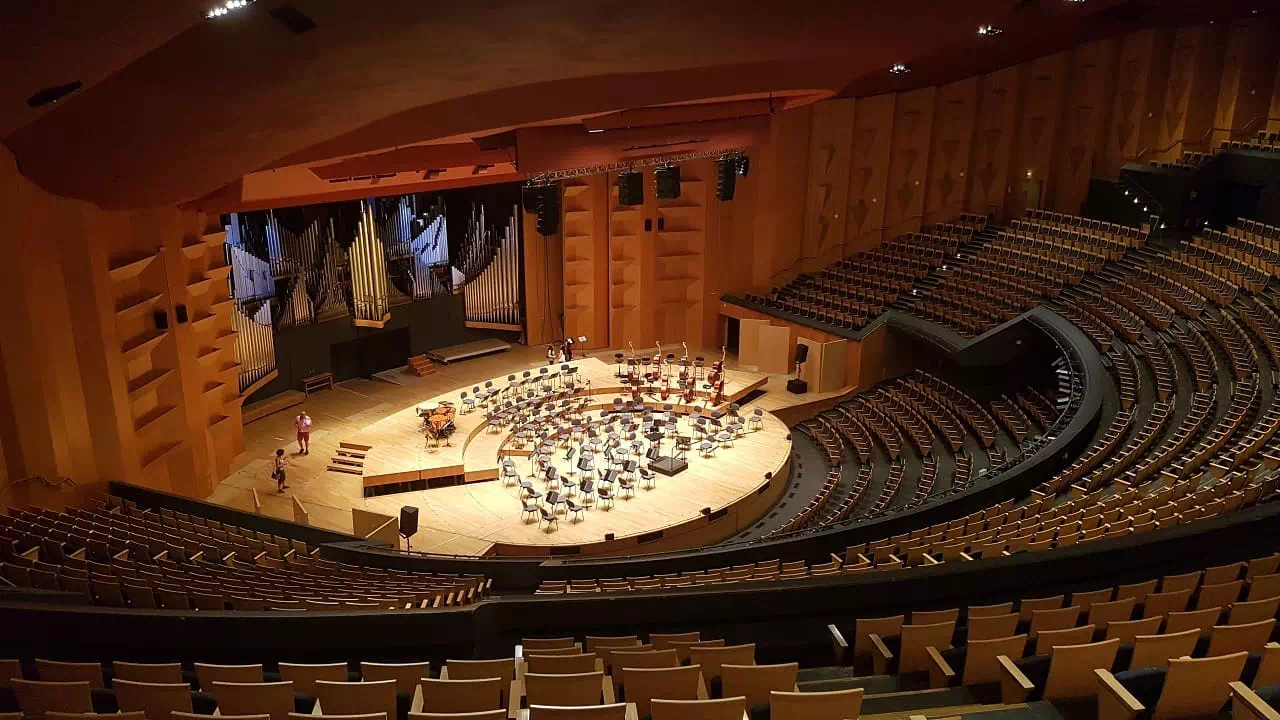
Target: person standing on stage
568	349
551	354
279	463
303	422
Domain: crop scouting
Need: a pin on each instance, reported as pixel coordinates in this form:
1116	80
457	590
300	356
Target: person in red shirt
303	423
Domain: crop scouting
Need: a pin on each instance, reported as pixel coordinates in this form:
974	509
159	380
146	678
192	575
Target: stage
483	515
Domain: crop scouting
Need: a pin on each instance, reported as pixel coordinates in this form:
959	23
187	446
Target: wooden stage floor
468	519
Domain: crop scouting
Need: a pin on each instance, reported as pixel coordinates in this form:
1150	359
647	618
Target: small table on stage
323	381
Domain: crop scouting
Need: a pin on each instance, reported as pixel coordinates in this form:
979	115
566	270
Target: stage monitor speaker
180	312
802	352
608	537
726	178
631	188
162	319
408	521
668	182
796	386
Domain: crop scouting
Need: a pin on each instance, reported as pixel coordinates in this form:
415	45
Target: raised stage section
476	348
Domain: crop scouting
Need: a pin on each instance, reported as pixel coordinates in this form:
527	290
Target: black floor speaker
796	386
408	521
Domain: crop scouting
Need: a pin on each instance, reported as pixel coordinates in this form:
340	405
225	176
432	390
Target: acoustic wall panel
869	174
1085	112
993	144
909	161
951	144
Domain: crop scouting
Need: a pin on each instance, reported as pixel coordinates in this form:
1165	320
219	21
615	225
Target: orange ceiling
177	108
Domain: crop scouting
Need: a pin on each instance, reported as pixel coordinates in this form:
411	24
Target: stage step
358	454
420	365
354	446
352	462
347	469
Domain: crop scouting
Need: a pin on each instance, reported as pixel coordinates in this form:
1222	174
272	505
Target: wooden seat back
711	658
1203	620
546	643
1230	639
682	647
1163	603
1197	687
595	642
571	650
1086	600
1262	587
621	661
677	683
1137	591
981	666
37	697
157	700
1061	618
662	641
406	675
135	715
356	698
833	705
1186	581
207	675
575	689
1126	630
459	696
1219	595
561	664
1027	606
1251	611
274	698
974	611
306	675
1103	614
1157	650
1045	642
725	709
148	672
54	671
915	639
989	627
932	617
1071	669
616	711
864	628
757	682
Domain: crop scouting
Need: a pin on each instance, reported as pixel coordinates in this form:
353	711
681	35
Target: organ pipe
493	295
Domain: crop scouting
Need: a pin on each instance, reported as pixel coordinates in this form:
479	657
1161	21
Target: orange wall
77	400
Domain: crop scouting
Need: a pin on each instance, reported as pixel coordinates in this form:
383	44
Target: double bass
717	378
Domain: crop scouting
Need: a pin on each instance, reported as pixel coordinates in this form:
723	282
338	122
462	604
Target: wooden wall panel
994	141
1141	75
1195	72
585	237
869	176
909	161
827	189
1040	125
1085	111
783	167
680	255
543	282
630	255
731	248
955	119
1273	115
1248	75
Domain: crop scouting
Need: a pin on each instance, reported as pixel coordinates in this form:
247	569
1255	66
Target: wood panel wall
543	282
1086	109
99	378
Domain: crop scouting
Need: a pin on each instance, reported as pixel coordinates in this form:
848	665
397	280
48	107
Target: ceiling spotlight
989	30
1145	209
1126	193
1135	201
596	130
227	7
899	69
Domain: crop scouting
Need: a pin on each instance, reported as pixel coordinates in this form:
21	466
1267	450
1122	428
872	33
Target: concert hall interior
652	354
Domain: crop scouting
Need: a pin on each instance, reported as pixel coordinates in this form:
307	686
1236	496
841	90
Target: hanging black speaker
180	312
726	178
549	210
668	182
631	188
162	319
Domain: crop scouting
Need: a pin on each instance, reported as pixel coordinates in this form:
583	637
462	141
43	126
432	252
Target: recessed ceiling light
989	30
899	69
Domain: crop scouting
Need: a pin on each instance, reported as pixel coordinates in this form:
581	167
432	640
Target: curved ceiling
176	108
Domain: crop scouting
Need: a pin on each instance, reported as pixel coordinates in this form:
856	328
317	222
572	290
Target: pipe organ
491	268
255	341
370	304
